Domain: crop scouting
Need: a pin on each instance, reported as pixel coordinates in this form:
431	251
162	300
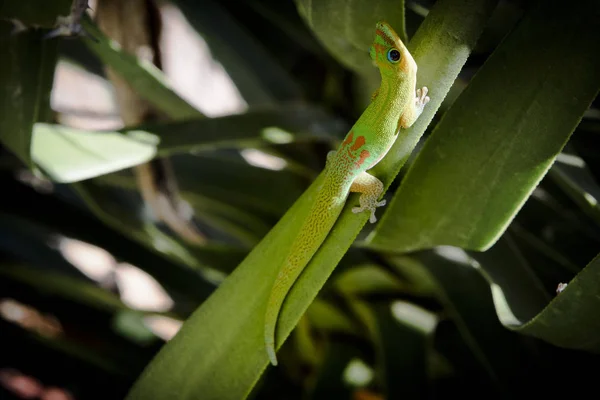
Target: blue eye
393	55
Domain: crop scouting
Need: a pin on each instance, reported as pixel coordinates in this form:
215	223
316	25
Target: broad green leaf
219	352
70	155
502	134
26	74
144	77
34	12
346	27
570	320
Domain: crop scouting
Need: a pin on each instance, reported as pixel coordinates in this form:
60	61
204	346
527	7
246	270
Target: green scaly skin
394	106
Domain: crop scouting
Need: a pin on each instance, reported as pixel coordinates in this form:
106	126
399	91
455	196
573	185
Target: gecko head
389	53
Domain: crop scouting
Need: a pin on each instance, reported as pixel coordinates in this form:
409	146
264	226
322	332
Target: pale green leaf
70	155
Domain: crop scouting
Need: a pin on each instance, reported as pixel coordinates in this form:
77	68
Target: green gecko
394	105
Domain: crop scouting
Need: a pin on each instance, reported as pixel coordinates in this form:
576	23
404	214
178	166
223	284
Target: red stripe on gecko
348	139
385	37
363	156
360	142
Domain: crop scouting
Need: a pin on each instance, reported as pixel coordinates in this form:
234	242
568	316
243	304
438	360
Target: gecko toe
372	218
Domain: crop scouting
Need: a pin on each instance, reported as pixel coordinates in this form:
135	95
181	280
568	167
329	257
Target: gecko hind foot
372	218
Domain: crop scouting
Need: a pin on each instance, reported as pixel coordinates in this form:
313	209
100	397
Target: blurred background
141	161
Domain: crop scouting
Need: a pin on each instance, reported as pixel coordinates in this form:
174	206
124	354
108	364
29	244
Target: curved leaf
219	352
570	320
499	138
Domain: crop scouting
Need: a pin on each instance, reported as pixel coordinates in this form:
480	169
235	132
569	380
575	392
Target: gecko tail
270	344
284	279
310	236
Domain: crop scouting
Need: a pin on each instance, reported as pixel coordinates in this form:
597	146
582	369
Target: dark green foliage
492	203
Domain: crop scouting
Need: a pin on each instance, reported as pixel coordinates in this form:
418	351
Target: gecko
395	104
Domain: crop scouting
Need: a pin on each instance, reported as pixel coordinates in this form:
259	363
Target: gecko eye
393	55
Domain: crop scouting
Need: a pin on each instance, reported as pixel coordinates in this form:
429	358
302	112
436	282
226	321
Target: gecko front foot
421	98
369	207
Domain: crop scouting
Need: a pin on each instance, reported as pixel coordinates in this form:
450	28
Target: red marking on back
348	139
360	142
363	156
385	37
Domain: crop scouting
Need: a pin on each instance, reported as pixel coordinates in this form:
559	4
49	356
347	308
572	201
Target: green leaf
346	28
219	352
502	134
70	155
26	74
570	320
144	77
